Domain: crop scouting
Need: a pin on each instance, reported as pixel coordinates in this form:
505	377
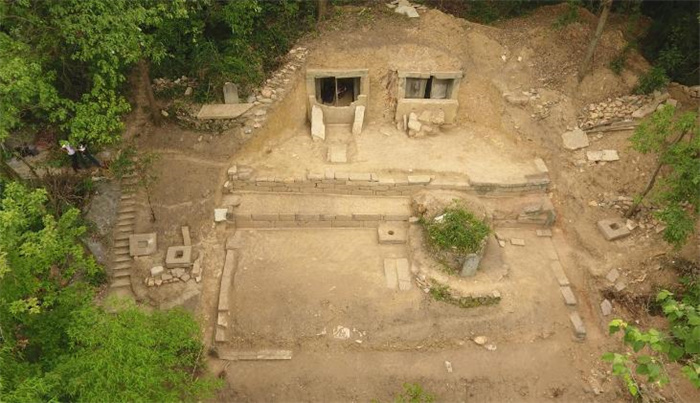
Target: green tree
676	141
56	344
70	60
644	364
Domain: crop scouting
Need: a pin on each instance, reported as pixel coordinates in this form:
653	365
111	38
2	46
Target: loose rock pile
159	275
629	107
185	83
428	122
613	110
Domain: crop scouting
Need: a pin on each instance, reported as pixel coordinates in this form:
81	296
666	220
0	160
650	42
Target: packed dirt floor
293	288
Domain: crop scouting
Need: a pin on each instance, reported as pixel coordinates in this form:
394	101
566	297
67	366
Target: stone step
122	229
128	209
122	243
127	215
121	282
125	223
121	236
121	273
122	266
121	251
122	258
272	210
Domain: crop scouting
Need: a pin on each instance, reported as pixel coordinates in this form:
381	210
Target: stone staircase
120	268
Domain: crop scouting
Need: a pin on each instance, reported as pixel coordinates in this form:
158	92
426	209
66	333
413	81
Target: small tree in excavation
676	141
607	4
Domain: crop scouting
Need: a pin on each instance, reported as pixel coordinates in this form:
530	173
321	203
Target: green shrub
456	230
651	81
412	393
570	16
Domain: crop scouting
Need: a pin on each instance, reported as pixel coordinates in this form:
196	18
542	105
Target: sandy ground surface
284	293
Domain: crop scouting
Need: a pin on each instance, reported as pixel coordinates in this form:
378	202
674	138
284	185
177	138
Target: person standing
86	154
66	147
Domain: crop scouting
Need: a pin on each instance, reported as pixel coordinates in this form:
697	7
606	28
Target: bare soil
290	287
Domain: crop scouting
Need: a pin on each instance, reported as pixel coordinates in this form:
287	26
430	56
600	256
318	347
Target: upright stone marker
318	128
230	93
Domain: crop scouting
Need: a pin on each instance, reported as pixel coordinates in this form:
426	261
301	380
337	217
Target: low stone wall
222	316
314	220
371	184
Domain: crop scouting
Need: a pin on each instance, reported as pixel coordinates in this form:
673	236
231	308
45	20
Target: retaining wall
367	183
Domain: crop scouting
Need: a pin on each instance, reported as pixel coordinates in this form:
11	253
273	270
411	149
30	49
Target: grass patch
570	16
456	230
651	81
442	293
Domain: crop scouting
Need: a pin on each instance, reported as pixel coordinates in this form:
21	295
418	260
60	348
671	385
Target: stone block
359	120
308	217
264	217
579	328
403	272
220	336
541	166
318	128
396	217
178	256
419	179
157	271
142	244
606	307
613	229
390	274
337	154
346	224
220	214
227	280
559	274
315	176
222	319
517	241
407	10
613	275
602	155
231	93
370	224
569	298
392	233
186	240
545	233
359	176
232	171
470	265
366	217
222	111
575	139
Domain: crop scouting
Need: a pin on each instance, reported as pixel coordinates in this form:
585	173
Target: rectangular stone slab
222	111
392	280
255	355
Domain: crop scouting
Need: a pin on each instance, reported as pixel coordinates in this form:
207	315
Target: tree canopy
56	344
